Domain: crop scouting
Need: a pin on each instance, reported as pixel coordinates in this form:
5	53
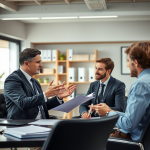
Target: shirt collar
106	82
26	75
145	71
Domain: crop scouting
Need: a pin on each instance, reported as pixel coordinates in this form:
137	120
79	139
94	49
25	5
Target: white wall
98	31
13	29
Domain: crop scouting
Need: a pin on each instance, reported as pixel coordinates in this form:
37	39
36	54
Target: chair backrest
145	137
3	110
80	134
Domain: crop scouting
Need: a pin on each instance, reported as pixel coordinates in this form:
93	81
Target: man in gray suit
106	89
23	94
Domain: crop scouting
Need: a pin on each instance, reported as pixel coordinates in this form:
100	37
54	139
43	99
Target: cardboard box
48	70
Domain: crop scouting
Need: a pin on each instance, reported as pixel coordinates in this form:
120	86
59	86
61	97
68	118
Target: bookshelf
64	76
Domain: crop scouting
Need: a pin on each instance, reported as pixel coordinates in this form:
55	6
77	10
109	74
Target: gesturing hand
101	109
66	91
53	90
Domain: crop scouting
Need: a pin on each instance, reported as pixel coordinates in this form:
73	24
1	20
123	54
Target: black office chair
3	110
79	134
123	144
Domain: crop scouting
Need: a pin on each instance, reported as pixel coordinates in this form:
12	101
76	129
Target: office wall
96	31
13	29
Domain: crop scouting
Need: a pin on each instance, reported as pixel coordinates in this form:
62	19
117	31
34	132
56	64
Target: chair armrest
123	144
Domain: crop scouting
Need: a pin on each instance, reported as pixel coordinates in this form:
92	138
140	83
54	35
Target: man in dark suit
23	94
106	89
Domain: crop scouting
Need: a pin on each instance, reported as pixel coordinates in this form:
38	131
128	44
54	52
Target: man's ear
109	71
26	63
136	63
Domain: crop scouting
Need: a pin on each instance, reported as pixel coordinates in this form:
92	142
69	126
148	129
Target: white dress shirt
100	88
39	116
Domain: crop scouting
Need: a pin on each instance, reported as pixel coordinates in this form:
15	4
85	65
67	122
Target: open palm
67	91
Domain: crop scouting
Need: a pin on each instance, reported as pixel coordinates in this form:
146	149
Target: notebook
12	123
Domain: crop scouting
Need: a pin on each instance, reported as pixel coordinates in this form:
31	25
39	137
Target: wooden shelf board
82	61
80	82
47	84
62	60
48	61
44	74
62	74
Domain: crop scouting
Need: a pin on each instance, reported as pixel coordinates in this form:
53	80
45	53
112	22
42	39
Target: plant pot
62	58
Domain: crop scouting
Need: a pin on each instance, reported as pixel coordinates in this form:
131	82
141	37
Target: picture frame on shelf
124	69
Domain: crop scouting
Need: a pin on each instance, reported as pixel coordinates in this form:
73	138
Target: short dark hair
108	62
28	54
141	52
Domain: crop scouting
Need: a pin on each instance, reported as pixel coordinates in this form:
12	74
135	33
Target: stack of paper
28	131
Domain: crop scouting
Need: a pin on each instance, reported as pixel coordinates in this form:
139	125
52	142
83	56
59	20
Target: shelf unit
65	75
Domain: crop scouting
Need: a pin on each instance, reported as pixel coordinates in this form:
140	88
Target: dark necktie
35	91
100	97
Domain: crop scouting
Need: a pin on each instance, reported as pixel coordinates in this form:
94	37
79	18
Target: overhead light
59	17
19	18
98	17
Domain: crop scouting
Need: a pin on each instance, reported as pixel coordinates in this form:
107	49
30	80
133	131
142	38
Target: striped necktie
35	91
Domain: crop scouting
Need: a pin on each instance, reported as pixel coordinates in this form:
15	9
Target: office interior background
29	23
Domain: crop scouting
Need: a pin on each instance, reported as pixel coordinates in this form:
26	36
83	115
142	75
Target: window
9	58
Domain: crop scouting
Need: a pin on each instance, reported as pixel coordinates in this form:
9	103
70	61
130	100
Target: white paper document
68	106
28	131
45	122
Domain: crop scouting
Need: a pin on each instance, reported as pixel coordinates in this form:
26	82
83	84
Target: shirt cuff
45	97
60	101
111	113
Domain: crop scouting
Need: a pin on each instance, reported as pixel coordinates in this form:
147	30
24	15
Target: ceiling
125	10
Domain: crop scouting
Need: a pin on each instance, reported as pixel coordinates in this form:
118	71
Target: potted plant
61	56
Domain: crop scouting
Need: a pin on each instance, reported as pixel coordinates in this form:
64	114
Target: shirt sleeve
136	108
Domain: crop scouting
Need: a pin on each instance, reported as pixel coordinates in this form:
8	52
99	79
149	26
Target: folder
81	74
70	54
28	131
53	55
91	74
72	74
49	55
45	55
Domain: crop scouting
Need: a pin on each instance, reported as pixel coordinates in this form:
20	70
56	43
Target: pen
90	110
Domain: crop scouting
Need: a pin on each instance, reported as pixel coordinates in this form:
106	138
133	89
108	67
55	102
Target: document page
45	122
68	106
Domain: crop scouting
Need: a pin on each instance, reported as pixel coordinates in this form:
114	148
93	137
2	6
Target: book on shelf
28	131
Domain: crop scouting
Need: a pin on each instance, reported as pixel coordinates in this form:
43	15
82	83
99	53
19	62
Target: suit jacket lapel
96	91
25	81
109	85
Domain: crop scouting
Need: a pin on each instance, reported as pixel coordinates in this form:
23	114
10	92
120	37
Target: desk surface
7	141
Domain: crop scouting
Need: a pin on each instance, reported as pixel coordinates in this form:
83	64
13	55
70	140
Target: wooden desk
7	141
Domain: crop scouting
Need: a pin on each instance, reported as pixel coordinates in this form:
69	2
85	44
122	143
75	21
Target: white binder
81	74
70	54
53	55
91	74
72	74
44	55
60	69
72	95
49	55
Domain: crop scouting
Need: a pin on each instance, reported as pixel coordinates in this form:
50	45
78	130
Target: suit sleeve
84	107
17	94
120	99
53	102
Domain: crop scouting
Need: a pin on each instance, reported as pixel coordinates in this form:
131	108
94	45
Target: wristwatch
107	113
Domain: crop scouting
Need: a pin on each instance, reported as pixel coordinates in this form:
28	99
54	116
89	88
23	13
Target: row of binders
48	55
82	74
